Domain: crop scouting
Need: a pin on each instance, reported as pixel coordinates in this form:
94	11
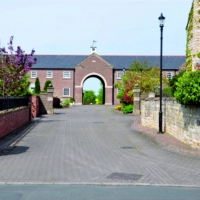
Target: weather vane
93	47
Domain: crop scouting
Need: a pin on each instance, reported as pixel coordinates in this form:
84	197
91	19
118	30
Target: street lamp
161	24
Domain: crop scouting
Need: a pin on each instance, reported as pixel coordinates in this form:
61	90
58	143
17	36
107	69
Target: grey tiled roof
117	61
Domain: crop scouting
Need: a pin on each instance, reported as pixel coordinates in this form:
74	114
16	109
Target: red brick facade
13	119
91	66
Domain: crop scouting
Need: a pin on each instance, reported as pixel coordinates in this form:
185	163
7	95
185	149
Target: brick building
69	72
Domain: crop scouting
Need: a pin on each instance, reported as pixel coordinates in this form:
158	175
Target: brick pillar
78	95
136	92
50	100
108	96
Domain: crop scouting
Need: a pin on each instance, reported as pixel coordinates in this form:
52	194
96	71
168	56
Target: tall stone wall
178	120
193	37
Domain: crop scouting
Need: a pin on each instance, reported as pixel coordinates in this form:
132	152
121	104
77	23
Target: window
66	92
169	75
32	86
119	74
49	74
66	74
33	74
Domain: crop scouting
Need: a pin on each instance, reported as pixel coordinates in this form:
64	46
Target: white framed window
119	74
49	74
32	86
33	74
66	92
169	75
66	74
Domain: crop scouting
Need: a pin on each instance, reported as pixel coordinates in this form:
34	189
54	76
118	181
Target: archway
95	83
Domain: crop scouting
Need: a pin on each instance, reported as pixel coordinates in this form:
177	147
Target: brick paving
88	144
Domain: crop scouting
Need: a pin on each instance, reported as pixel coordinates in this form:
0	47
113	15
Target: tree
139	74
37	86
89	97
100	94
13	69
47	84
188	88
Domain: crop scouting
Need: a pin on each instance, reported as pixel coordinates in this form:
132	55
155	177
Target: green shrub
66	102
167	92
71	100
47	84
37	86
172	82
127	109
188	88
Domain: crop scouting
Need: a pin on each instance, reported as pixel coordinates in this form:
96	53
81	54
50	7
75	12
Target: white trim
35	74
68	74
92	74
121	72
64	94
49	76
169	73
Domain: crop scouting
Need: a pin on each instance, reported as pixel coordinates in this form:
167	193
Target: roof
117	61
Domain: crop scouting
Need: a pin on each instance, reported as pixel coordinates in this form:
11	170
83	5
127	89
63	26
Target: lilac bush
14	67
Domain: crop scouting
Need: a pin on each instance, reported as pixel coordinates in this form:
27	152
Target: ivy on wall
189	29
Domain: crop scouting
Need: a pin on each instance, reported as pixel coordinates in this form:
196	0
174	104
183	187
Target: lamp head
161	20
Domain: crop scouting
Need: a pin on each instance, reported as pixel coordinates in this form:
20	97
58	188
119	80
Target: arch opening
96	84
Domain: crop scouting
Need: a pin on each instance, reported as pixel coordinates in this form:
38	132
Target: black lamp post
161	23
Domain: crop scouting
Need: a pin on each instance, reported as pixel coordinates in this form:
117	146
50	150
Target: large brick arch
94	74
94	65
98	76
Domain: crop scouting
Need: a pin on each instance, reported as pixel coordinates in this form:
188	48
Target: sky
119	27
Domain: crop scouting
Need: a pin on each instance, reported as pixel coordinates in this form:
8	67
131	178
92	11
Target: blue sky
120	27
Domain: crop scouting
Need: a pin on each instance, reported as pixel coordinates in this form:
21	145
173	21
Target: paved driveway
94	145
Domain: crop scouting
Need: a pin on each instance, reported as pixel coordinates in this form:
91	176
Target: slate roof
117	61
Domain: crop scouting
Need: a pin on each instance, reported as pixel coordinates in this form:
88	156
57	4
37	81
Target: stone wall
13	119
178	120
46	101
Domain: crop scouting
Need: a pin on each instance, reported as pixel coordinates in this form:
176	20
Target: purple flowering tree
13	70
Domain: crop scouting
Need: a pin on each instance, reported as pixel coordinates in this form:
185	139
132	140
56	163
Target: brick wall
34	106
13	119
178	120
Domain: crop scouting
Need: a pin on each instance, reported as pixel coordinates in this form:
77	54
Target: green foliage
47	84
188	88
139	66
100	94
127	109
11	89
120	95
37	86
167	92
172	82
89	97
71	100
189	29
198	54
141	74
66	102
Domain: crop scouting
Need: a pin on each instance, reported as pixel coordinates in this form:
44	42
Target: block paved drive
94	145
